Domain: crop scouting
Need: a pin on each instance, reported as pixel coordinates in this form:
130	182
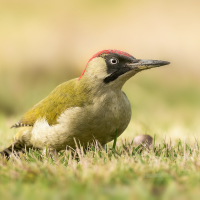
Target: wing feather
62	97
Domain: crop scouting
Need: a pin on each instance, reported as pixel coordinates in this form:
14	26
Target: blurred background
44	43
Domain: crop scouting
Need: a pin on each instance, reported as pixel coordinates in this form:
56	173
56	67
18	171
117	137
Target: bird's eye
113	61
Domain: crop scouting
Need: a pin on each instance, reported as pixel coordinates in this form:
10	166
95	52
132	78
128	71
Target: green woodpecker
91	107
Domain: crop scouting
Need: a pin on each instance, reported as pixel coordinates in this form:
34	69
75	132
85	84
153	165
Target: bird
91	107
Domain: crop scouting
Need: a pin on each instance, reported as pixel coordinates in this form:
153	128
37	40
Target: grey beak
147	64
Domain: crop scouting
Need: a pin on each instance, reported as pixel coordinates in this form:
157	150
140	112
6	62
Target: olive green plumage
90	108
66	95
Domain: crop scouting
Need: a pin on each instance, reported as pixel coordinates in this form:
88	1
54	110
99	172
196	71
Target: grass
163	171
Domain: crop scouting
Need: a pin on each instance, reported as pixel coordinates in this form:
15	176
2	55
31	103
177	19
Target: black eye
113	61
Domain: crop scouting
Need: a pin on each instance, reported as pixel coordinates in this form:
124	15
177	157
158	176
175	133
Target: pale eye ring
114	61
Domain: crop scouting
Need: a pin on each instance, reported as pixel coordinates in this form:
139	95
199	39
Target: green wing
66	95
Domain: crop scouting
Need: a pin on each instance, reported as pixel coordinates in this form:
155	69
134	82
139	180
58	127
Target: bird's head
116	67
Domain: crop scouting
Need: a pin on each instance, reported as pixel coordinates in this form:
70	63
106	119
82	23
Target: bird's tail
14	148
6	153
18	143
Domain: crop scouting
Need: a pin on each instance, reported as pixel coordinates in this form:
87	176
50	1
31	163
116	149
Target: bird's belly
84	125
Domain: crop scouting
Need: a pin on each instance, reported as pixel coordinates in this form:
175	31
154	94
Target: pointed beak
140	65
